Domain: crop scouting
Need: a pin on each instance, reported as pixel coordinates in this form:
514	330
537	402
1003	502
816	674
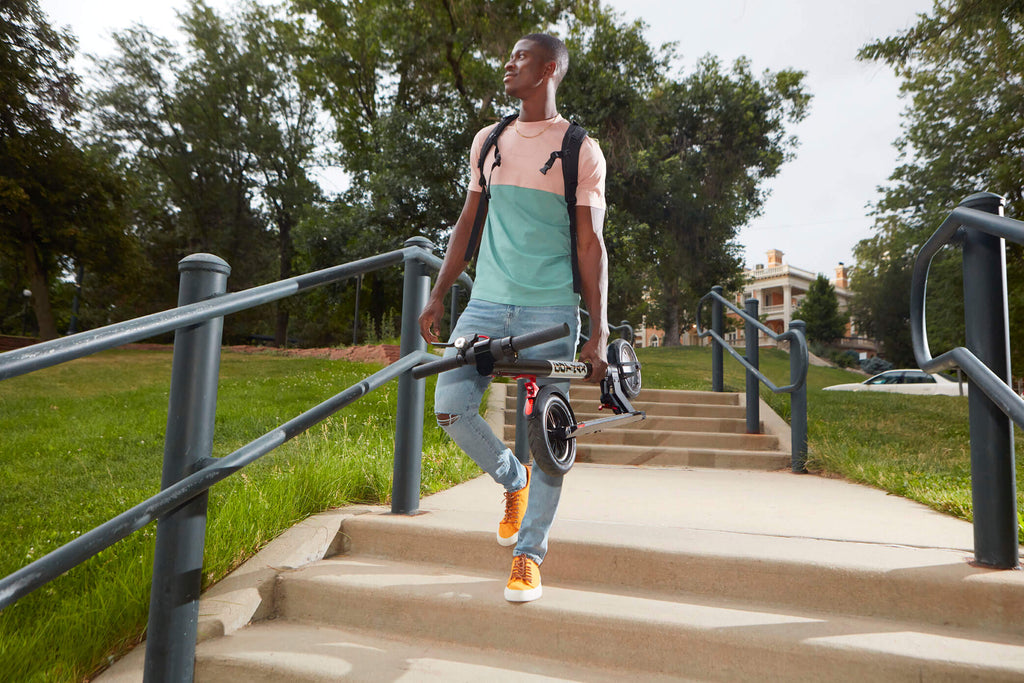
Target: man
524	282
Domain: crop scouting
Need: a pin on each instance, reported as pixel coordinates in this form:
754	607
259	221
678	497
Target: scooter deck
593	426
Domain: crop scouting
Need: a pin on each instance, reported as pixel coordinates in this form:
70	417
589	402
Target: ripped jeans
458	396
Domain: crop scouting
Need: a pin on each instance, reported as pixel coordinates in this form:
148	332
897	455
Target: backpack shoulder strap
570	154
485	192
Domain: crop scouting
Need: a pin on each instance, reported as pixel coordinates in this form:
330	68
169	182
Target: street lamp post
27	294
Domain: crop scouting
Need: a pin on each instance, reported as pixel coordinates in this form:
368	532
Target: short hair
555	51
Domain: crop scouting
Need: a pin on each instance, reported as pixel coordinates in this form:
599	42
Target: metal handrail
792	335
47	354
799	361
978	225
189	469
996	389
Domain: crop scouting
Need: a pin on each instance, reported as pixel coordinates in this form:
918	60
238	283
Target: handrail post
993	477
405	490
797	406
753	384
717	326
180	535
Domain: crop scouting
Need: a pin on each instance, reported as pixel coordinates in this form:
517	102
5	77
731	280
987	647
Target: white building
779	288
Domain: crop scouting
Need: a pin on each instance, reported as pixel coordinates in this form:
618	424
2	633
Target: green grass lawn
82	442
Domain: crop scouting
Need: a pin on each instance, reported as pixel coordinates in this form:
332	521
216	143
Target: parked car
905	381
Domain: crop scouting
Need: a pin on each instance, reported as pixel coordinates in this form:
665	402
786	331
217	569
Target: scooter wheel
622	356
552	414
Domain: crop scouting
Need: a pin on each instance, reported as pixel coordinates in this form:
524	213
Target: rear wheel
552	450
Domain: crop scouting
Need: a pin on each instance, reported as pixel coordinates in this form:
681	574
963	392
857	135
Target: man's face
525	70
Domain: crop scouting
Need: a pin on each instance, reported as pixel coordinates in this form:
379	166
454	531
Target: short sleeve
590	190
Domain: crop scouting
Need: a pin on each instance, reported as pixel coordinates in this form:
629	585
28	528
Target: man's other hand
596	352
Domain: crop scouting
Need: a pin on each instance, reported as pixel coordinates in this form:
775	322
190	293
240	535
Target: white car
906	381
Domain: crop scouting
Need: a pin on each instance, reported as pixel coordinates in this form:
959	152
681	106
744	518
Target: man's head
536	58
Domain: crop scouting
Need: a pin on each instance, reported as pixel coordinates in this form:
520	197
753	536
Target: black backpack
570	156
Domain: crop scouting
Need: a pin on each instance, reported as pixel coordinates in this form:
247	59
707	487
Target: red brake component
531	392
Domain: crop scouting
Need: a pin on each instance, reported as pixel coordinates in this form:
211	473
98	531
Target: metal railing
189	469
798	364
979	226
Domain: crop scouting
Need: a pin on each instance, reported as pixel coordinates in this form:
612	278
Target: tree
710	141
60	204
820	312
222	137
962	66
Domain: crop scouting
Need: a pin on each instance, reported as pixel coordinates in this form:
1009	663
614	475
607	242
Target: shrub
875	365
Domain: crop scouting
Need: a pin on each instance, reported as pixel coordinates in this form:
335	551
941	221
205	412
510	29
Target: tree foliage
60	203
221	138
820	312
962	67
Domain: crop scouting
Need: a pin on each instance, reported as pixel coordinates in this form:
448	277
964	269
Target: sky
818	208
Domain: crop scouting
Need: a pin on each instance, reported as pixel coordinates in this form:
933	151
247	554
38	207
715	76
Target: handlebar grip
529	339
435	367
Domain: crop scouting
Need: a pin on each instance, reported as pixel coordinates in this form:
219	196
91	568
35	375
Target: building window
654	340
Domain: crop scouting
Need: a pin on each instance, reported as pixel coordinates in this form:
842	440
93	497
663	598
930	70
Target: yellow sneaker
515	509
524	581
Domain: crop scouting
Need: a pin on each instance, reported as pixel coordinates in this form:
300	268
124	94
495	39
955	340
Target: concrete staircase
639	583
654	573
682	429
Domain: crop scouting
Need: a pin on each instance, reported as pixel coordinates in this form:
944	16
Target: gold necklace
537	135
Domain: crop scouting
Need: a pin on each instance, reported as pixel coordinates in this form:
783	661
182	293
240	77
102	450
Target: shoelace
511	507
521	570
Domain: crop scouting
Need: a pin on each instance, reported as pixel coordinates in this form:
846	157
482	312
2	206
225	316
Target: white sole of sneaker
523	596
511	540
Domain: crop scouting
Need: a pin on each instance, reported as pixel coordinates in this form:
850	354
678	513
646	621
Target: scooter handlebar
501	349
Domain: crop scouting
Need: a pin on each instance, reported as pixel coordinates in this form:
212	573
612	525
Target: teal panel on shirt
524	253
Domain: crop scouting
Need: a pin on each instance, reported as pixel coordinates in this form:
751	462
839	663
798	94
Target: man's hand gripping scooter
551	423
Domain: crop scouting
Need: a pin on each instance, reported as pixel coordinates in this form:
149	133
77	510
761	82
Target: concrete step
668	456
721	425
935	587
586	391
636	630
653	438
282	650
665	409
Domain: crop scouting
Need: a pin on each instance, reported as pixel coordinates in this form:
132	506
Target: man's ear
550	69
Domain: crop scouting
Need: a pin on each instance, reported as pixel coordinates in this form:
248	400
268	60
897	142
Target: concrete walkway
723	548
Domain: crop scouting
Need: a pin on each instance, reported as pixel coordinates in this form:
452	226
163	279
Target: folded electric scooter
551	423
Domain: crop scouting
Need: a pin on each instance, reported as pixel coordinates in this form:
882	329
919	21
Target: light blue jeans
459	392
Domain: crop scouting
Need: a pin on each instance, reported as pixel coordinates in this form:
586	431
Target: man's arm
453	265
593	264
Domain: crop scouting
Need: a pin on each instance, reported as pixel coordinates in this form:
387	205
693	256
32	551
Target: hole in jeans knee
446	419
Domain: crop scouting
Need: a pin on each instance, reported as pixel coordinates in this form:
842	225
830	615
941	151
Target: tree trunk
40	293
286	251
672	323
670	290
